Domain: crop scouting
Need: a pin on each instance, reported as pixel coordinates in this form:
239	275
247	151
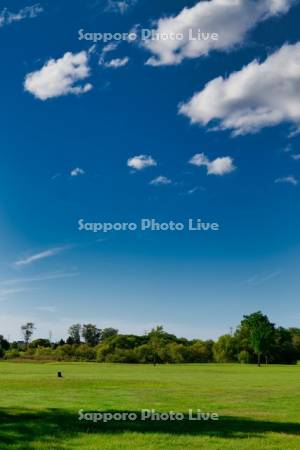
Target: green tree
295	333
284	351
74	333
91	334
27	331
144	354
85	353
174	353
108	333
4	346
262	333
225	349
201	351
157	341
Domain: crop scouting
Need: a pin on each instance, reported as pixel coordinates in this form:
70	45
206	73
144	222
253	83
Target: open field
259	408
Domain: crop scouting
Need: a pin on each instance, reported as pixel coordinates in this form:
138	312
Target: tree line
255	340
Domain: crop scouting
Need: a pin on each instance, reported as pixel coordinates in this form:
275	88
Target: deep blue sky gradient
197	285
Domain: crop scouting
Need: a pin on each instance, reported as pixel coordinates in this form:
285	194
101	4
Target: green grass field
259	408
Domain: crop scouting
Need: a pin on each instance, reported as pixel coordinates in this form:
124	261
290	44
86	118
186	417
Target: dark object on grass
59	374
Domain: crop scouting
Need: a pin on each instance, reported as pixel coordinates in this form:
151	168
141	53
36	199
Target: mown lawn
259	408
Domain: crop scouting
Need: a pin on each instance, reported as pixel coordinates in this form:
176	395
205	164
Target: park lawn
259	408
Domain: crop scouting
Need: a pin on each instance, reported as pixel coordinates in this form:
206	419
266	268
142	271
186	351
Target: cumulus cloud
161	180
29	12
231	20
296	157
218	166
59	77
39	256
77	172
259	95
288	180
141	162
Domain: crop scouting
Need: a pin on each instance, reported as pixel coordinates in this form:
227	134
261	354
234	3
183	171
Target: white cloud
259	279
141	162
39	278
109	47
59	77
288	180
119	6
38	256
193	190
219	166
77	172
231	20
296	157
117	62
11	291
259	95
29	12
161	180
288	148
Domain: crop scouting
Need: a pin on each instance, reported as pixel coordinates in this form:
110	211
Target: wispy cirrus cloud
29	12
296	157
291	179
116	63
39	278
119	6
39	256
259	279
11	291
160	181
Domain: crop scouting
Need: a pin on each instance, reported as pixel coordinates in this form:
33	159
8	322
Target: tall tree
91	334
107	333
27	331
74	333
4	345
225	349
261	332
156	339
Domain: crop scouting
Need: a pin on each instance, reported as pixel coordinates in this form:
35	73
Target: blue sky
73	116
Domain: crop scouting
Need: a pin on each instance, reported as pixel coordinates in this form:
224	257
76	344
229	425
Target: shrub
11	354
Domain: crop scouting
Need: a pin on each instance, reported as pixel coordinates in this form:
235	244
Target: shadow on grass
22	429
